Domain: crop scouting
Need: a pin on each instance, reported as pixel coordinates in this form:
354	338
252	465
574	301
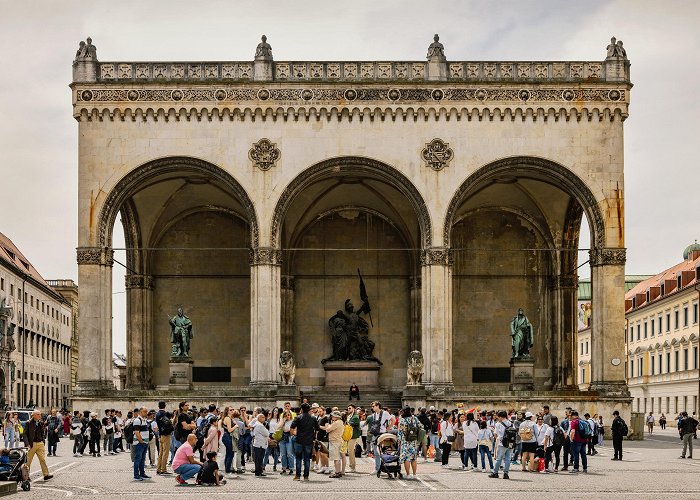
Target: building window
652	327
638	404
583	375
586	347
661	368
668	362
675	405
645	329
631	334
581	348
641	367
675	359
695	313
695	358
631	368
668	322
12	290
685	359
660	324
652	359
639	329
2	284
676	319
668	404
685	316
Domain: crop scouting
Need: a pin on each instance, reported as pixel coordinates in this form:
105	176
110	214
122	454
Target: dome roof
695	247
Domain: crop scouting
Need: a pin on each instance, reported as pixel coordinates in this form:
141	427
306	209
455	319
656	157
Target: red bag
540	465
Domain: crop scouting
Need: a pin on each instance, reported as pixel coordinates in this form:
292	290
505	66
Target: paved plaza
651	469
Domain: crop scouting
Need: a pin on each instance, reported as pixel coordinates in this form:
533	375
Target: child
210	475
5	461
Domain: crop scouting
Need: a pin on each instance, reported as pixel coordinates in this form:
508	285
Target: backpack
375	426
509	437
584	429
165	425
624	430
347	433
411	430
525	432
559	436
129	431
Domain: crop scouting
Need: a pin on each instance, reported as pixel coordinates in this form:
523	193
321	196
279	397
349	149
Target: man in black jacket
304	427
687	426
34	436
617	436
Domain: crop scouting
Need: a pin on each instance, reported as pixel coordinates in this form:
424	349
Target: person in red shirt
578	443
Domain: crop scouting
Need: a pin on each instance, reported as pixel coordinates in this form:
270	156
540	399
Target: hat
315	405
528	414
432	408
336	414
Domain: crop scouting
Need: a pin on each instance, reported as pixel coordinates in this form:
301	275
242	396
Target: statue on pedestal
615	49
436	50
180	334
288	368
86	51
350	332
414	371
521	333
263	52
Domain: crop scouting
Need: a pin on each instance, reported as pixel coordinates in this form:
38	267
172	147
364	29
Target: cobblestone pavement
651	469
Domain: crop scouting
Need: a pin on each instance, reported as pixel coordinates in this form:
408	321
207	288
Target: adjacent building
662	338
37	330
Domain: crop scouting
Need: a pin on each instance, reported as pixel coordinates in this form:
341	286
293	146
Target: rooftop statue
264	50
615	49
436	50
86	51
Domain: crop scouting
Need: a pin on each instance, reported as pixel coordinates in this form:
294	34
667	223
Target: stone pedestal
344	373
414	396
180	373
522	374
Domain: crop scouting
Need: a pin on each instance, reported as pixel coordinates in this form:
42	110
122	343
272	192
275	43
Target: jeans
108	443
187	471
10	437
287	453
687	444
504	455
567	452
579	450
435	443
274	453
258	456
228	444
139	459
77	444
485	450
469	453
53	442
174	445
302	452
516	451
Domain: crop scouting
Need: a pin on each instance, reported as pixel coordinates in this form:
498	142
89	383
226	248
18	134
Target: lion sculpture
414	373
288	368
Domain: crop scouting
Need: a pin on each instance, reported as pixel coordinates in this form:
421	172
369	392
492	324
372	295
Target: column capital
265	256
436	256
608	256
142	281
103	256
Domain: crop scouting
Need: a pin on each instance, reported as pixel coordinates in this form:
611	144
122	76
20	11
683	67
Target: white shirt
471	433
500	430
385	418
274	425
260	435
548	435
541	433
446	430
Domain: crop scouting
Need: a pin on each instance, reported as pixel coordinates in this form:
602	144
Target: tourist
528	437
578	443
354	392
434	436
108	427
364	429
323	416
688	426
236	441
409	445
152	439
210	475
447	436
662	421
141	430
210	434
9	429
260	437
230	432
616	428
335	442
517	418
650	422
377	424
485	440
184	425
274	423
118	433
34	436
546	415
304	427
458	443
565	425
601	430
86	431
541	430
77	429
593	438
470	430
184	463
94	428
53	426
547	434
165	429
505	442
353	420
286	445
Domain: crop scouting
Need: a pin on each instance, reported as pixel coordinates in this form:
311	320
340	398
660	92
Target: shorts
529	447
333	452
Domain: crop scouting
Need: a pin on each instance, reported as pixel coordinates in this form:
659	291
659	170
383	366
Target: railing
62	283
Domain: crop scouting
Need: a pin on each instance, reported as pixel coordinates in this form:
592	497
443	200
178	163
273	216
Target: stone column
95	320
608	321
436	317
415	338
139	340
563	354
287	303
265	304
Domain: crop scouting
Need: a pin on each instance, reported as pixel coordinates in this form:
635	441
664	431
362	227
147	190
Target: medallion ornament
437	154
264	154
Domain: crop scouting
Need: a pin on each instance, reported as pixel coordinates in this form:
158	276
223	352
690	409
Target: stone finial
436	50
616	50
86	51
263	52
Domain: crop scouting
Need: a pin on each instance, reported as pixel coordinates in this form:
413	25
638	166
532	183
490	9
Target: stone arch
356	165
566	179
119	194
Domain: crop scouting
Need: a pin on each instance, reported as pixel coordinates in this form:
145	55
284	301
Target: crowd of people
209	445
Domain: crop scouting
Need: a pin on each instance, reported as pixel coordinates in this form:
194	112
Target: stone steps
340	398
7	488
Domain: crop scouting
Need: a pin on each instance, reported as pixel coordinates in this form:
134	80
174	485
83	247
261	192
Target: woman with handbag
227	428
447	436
286	443
485	440
470	431
273	449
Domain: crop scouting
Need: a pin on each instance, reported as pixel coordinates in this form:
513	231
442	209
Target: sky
38	136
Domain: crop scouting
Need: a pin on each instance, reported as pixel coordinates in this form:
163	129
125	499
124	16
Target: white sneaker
463	467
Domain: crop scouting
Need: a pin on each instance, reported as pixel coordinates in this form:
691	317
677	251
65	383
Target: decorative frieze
436	256
138	281
95	255
608	256
265	256
264	154
437	154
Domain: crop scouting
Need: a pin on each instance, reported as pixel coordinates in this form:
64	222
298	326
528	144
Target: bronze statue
521	333
350	332
180	334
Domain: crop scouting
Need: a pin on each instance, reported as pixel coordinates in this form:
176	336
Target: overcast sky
38	136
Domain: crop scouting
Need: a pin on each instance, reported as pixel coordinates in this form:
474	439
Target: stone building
251	193
37	335
662	339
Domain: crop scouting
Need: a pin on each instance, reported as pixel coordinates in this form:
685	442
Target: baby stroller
388	449
19	471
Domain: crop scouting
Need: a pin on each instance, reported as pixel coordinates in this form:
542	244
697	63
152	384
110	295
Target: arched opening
514	227
336	217
188	227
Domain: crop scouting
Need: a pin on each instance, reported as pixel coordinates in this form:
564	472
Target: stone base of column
610	388
439	391
180	373
93	387
522	374
414	396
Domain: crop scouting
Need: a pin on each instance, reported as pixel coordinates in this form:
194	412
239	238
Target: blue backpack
584	429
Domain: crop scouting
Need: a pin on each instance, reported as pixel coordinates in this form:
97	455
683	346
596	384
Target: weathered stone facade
251	191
